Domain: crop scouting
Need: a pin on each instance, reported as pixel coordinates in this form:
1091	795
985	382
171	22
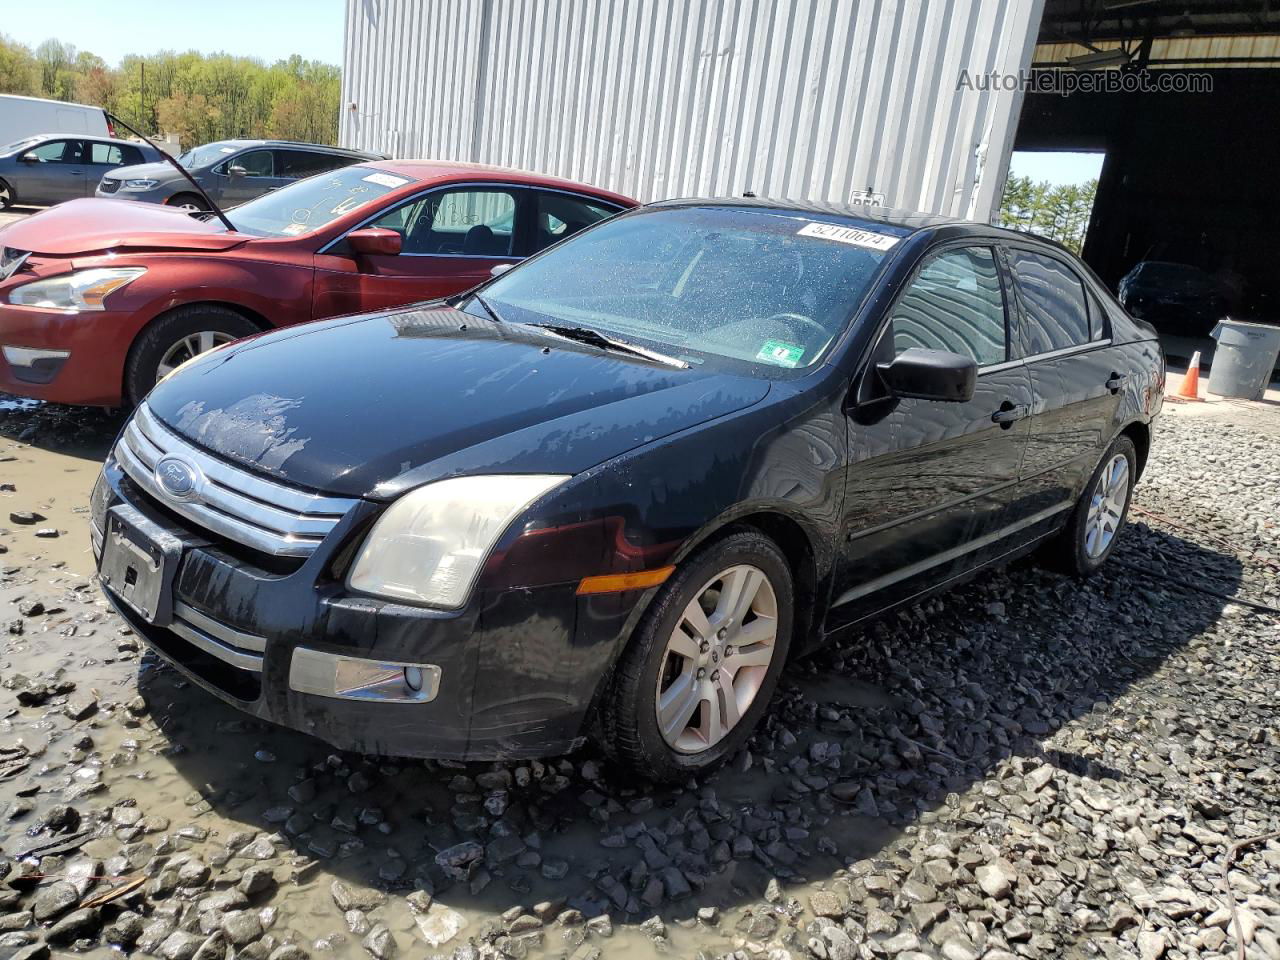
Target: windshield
1155	271
770	288
310	204
207	154
19	144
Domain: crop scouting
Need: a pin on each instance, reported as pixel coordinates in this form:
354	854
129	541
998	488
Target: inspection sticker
385	180
783	354
850	235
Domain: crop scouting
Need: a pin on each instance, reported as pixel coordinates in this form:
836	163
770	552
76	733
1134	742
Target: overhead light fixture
1097	59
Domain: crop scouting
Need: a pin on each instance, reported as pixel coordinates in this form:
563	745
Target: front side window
57	151
954	303
106	153
468	222
311	204
773	289
256	163
558	215
1053	301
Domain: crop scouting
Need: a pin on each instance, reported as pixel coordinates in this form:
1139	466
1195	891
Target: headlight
139	185
83	290
430	544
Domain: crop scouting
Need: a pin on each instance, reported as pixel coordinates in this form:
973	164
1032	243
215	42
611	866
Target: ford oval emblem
177	478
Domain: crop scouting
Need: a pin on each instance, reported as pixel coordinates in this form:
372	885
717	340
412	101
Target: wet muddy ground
1028	766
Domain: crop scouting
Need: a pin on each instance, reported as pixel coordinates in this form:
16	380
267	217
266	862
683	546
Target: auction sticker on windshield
385	180
783	354
850	235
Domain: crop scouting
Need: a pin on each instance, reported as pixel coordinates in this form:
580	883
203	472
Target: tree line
199	97
1059	212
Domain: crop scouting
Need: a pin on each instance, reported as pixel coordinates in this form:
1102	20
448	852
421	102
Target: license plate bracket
139	561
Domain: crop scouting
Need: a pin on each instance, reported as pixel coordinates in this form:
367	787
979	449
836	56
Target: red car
101	298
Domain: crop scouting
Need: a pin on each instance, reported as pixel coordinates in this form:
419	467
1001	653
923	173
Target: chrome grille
261	514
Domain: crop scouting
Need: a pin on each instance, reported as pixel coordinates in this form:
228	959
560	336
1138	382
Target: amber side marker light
616	582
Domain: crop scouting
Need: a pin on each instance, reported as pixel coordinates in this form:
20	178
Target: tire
1084	544
630	725
152	354
192	201
7	196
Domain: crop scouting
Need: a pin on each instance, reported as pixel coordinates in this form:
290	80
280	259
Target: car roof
96	138
444	170
346	151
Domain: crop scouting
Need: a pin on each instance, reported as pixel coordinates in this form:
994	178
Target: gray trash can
1244	358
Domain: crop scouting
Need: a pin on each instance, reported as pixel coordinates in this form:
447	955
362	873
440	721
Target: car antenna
180	168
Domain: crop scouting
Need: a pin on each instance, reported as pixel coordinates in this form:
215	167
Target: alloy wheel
188	347
717	658
1106	506
6	196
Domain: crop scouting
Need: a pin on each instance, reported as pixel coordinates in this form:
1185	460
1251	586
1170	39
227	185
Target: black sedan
610	492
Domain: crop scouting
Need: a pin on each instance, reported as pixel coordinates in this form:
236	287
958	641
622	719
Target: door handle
1117	381
1010	413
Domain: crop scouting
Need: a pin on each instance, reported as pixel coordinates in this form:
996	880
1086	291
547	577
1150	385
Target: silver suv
230	171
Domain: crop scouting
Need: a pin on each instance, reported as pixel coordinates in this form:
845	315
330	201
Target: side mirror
29	157
500	268
930	375
375	242
237	171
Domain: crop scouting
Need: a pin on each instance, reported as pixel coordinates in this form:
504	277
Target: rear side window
1099	325
299	164
132	155
106	153
559	215
1054	300
954	303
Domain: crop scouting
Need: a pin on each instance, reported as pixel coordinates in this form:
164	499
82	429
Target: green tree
1058	212
18	73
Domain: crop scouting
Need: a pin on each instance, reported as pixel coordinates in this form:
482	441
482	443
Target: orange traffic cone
1189	389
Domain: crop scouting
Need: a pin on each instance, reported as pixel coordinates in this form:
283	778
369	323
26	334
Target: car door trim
1068	351
946	556
414	198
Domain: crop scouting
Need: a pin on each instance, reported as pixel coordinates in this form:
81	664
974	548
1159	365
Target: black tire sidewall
180	198
1083	563
13	195
649	646
163	332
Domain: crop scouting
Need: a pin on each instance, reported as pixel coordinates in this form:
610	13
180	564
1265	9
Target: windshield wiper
487	308
605	342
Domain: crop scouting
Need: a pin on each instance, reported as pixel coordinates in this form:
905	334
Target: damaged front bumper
287	642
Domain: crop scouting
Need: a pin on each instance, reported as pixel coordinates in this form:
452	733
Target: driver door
452	238
56	174
931	485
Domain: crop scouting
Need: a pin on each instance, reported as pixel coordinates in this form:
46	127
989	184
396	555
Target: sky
267	29
1058	168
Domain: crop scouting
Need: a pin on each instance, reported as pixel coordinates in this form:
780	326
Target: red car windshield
310	204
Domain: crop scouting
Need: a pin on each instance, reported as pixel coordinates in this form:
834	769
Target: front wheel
1099	515
704	661
175	338
6	195
191	203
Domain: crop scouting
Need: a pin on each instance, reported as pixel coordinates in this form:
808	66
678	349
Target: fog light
354	678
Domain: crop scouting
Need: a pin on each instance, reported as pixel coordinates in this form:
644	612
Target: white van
27	116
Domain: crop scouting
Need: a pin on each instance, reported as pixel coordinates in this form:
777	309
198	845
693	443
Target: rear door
101	158
1065	338
933	488
57	173
453	237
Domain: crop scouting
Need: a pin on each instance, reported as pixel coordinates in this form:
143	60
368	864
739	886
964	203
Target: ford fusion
612	491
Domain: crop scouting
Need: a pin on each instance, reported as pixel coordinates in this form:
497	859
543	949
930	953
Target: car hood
374	405
157	170
90	225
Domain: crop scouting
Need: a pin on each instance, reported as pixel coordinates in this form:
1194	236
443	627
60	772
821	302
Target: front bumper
517	669
64	357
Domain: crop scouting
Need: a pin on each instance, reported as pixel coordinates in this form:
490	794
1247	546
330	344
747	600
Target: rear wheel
1100	515
704	661
175	338
188	203
6	195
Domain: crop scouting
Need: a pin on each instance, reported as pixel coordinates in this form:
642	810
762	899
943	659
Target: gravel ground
1025	767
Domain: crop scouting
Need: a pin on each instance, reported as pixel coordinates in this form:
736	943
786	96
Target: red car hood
91	224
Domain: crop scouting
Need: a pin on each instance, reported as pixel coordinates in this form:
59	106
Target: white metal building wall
808	99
